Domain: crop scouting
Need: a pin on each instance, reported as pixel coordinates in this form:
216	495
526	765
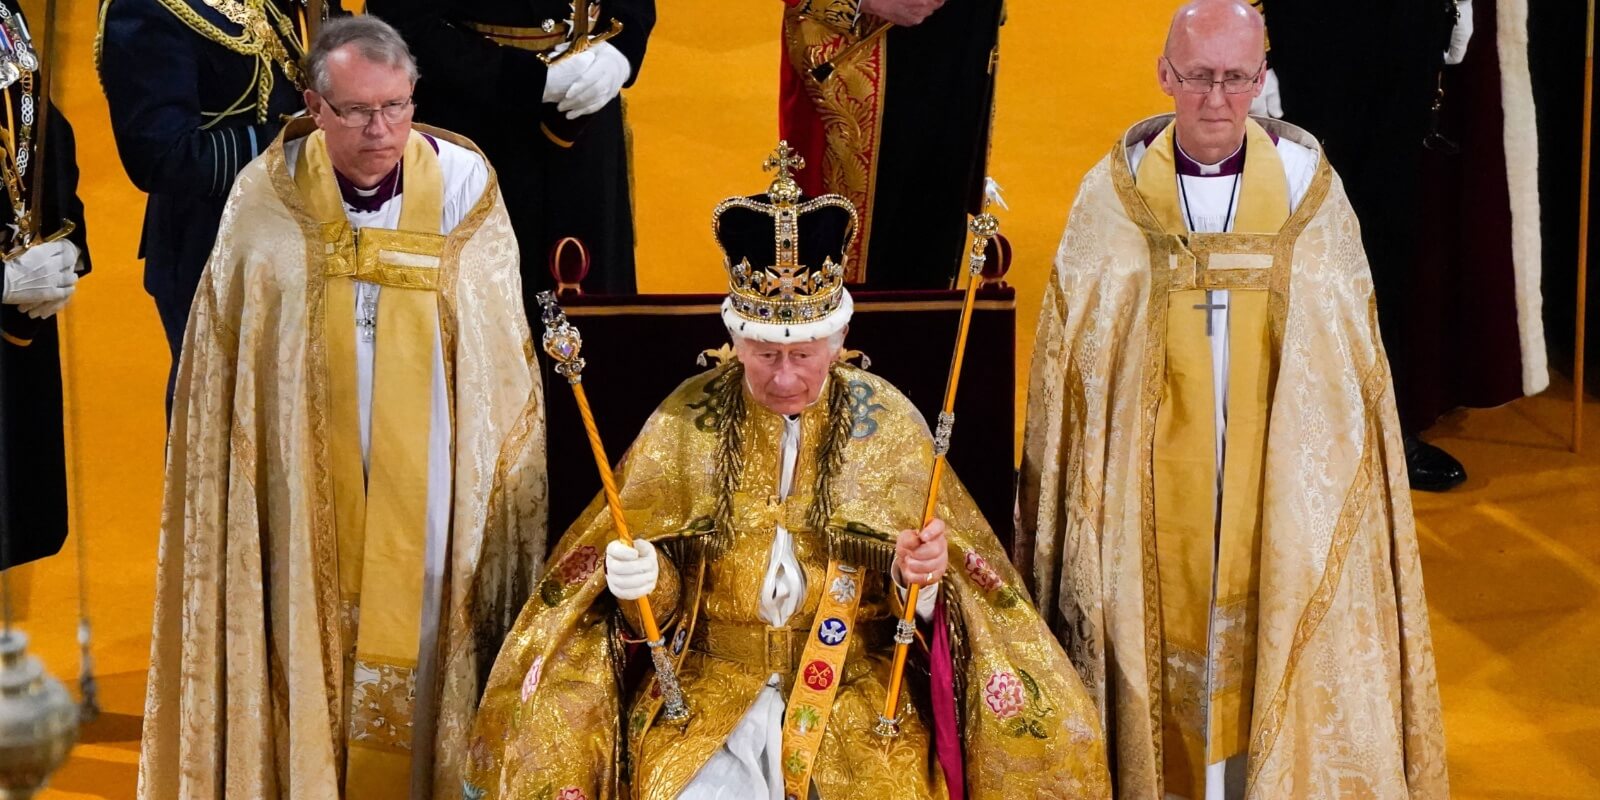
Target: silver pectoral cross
367	314
1211	307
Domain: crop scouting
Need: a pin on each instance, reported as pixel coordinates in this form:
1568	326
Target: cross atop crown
784	161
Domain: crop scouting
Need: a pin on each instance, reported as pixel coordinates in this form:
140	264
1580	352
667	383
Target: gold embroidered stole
821	672
381	512
1208	562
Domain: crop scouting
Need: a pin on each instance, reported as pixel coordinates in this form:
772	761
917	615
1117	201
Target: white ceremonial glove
1460	34
901	12
631	572
599	83
558	79
41	280
1269	103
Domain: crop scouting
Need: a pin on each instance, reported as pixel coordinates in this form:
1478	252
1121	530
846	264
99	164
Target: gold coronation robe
250	689
561	721
1285	624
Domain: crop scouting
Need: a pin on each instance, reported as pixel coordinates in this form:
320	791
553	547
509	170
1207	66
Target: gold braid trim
830	455
256	39
729	412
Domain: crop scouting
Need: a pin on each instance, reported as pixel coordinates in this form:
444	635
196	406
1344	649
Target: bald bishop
1215	515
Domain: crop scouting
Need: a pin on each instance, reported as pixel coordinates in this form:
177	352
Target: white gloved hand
1268	103
599	83
631	572
558	79
1460	34
41	280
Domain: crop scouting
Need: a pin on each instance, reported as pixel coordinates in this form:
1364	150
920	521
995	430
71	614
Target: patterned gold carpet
1512	558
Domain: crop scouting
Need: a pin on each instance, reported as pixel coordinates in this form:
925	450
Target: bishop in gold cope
1213	495
777	501
355	476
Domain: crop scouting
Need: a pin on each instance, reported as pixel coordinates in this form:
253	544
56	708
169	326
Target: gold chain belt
537	40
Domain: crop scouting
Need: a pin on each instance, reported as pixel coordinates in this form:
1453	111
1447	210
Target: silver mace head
38	720
561	340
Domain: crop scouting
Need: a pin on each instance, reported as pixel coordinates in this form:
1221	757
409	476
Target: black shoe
1432	469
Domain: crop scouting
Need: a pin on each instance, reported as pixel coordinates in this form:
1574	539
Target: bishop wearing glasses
1214	499
355	481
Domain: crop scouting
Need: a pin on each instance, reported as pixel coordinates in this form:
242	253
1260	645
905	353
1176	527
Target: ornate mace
563	343
984	227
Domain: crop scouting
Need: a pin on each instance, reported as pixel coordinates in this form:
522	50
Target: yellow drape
381	512
1208	562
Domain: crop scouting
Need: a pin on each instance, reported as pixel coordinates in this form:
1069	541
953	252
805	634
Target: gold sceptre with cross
563	342
984	227
580	33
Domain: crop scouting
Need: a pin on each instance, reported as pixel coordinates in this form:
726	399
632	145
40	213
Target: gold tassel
859	545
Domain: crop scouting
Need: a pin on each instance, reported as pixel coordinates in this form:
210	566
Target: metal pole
1583	239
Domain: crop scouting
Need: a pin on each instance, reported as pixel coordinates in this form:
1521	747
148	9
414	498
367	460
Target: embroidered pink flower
571	793
531	680
578	565
981	573
1003	694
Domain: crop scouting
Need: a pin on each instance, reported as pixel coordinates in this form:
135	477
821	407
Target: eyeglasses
1199	85
393	113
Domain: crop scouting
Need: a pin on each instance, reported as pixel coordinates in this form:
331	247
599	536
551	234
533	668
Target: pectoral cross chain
1211	307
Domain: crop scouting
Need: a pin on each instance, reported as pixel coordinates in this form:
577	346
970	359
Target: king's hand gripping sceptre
984	227
564	344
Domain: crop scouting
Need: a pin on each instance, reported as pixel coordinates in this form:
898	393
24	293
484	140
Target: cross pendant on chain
1211	306
367	318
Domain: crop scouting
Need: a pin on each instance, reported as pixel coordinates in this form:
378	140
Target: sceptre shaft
563	342
984	227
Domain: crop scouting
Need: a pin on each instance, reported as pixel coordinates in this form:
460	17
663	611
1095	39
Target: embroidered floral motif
1015	699
381	704
981	573
531	680
804	719
1003	694
578	565
795	763
571	793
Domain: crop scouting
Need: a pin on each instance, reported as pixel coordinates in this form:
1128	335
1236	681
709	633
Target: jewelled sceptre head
564	344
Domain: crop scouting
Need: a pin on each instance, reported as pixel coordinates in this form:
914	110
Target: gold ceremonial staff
563	342
580	35
984	227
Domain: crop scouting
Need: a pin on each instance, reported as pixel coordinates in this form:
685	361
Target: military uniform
35	479
196	90
481	77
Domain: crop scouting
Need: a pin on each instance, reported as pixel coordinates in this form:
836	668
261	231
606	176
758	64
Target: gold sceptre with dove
563	343
984	227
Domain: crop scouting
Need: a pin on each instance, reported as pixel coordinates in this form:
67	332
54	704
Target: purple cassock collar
1227	167
366	201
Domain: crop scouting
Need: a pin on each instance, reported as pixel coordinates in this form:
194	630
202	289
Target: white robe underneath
747	766
466	175
1209	203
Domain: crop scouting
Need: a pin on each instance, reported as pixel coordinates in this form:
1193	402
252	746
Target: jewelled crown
785	258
